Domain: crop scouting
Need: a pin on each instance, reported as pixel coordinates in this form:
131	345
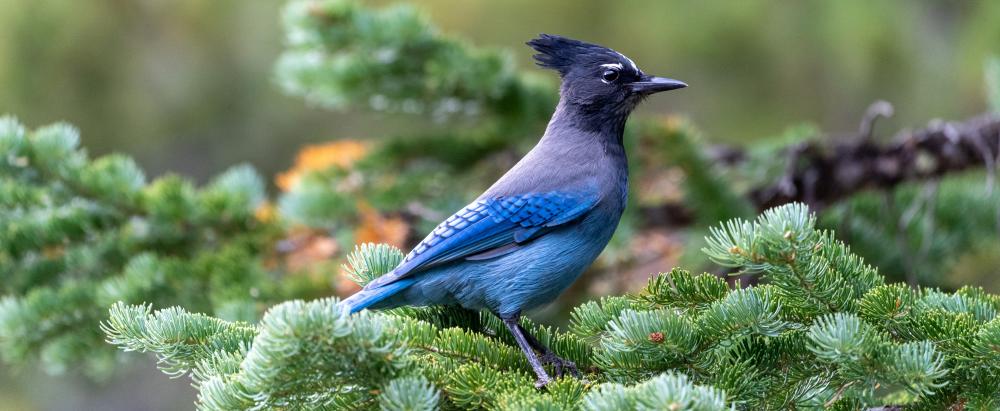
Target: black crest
561	53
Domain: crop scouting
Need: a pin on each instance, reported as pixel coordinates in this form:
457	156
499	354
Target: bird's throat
607	122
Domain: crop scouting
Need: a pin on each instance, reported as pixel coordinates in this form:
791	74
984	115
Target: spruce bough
78	234
822	331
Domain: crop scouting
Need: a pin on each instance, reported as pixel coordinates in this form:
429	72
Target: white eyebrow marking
612	65
630	62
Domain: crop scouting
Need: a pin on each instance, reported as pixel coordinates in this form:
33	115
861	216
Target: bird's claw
542	382
560	365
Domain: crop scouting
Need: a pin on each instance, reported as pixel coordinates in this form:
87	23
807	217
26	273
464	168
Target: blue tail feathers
368	297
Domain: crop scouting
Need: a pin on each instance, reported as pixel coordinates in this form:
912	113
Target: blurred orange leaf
373	227
341	153
306	248
265	212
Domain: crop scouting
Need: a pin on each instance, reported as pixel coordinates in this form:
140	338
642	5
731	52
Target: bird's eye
609	75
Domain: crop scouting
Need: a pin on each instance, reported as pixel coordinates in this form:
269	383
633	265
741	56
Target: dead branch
822	175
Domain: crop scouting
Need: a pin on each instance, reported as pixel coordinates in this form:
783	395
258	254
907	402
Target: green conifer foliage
79	234
341	53
920	232
823	330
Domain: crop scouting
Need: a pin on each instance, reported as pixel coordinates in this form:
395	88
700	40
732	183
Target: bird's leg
536	365
549	357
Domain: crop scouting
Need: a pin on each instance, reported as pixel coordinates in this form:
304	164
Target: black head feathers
603	82
562	54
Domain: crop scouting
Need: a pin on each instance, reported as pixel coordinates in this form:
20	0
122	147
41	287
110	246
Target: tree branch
823	175
820	174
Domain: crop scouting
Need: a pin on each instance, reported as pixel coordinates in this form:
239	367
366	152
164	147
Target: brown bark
821	175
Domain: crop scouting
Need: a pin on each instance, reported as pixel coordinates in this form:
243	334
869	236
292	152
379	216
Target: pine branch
687	341
79	234
335	57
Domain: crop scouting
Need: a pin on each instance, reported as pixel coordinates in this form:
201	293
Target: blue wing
491	227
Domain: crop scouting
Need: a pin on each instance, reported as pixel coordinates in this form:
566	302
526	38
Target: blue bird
529	236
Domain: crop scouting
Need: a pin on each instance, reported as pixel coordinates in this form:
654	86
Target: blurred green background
187	86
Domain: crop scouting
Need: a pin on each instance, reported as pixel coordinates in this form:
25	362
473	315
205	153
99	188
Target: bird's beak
652	84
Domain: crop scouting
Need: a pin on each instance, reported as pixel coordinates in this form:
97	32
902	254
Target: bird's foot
561	366
541	382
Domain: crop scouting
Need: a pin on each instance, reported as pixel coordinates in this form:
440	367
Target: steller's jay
531	234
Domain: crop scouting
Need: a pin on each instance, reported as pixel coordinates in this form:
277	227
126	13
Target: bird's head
597	77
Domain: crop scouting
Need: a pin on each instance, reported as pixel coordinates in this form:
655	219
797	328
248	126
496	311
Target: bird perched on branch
529	236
